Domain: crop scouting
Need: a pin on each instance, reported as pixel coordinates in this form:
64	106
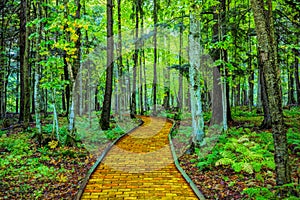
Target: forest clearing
139	99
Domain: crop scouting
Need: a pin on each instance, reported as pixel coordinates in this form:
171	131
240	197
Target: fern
269	164
247	167
230	146
258	193
224	161
228	154
202	165
243	139
241	149
237	166
256	166
242	166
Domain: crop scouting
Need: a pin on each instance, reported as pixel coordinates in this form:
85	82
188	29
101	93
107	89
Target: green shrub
259	193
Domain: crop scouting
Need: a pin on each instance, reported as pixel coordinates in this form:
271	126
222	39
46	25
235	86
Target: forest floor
29	170
235	165
240	164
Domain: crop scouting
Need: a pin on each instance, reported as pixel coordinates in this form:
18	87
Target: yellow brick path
140	166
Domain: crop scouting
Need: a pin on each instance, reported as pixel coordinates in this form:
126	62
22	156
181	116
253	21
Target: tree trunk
120	91
37	74
24	57
238	92
166	72
141	85
106	107
155	57
220	101
180	79
297	76
73	70
266	124
217	108
67	88
195	85
291	98
2	63
135	60
268	55
22	41
251	86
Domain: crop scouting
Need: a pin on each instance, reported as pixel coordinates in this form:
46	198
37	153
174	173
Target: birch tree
195	85
37	73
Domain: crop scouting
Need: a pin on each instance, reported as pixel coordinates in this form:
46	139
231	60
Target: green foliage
2	133
114	133
293	139
242	150
25	167
242	154
259	193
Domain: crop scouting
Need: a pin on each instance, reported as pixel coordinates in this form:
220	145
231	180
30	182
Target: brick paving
140	166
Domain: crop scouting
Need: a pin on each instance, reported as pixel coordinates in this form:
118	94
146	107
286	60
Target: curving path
140	166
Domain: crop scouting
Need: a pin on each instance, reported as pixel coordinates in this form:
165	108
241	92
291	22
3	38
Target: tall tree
167	77
121	89
155	56
135	60
37	72
217	107
24	65
106	107
2	63
74	69
264	27
195	85
180	78
297	54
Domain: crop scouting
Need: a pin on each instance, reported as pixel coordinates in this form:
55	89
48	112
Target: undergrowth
251	153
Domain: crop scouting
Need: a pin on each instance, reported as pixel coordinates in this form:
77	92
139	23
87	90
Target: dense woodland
203	61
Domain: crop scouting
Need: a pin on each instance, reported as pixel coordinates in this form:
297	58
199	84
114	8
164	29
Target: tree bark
121	88
24	66
180	78
155	58
22	41
268	55
167	78
267	123
2	64
73	70
291	98
135	61
297	76
106	107
195	85
37	74
217	108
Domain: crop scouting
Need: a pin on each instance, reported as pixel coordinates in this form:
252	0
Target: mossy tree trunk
268	57
195	85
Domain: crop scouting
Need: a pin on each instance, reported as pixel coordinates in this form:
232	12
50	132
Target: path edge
183	173
99	160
